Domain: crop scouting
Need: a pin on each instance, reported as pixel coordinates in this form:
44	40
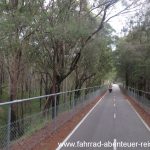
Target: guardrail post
8	127
83	95
144	96
55	111
93	91
73	100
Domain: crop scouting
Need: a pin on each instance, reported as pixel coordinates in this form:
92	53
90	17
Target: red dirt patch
51	142
46	139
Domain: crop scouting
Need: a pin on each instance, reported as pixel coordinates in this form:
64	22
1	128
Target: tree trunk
13	95
55	88
14	72
41	85
1	79
46	85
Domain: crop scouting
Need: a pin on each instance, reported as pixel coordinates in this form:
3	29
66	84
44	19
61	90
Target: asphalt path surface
111	125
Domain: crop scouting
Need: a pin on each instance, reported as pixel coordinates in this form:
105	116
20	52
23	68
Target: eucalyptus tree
133	53
55	34
58	42
97	59
51	39
68	26
16	24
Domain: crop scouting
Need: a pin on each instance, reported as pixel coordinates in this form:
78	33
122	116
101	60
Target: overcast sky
120	21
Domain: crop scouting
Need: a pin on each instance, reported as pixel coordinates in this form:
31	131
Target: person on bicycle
110	88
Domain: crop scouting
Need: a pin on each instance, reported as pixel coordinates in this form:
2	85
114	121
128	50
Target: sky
122	21
118	22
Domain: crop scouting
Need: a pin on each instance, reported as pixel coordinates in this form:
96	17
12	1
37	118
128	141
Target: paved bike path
112	120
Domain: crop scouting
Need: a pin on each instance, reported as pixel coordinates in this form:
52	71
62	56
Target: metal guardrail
31	115
140	96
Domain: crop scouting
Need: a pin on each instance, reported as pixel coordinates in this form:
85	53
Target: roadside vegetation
60	45
133	52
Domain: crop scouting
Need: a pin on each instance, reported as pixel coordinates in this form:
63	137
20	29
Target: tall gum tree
68	26
16	25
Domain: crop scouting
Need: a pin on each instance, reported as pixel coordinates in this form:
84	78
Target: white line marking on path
114	105
145	124
114	115
115	144
78	125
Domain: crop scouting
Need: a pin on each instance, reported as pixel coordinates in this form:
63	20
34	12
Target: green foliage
32	32
132	57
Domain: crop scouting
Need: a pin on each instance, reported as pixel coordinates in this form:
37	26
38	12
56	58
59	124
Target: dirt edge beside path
58	136
144	115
